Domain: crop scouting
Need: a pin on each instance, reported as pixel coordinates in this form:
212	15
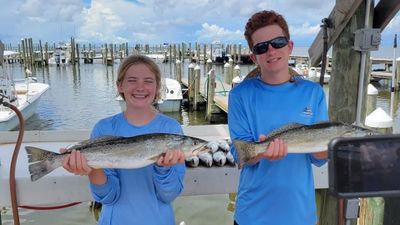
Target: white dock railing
62	187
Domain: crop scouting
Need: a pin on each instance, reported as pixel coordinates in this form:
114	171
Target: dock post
23	57
174	53
1	59
22	53
178	66
236	73
183	53
240	54
105	53
208	67
234	56
46	53
72	51
170	53
205	54
41	53
197	72
77	52
345	76
211	54
197	53
191	82
398	74
230	61
112	54
210	93
32	60
227	71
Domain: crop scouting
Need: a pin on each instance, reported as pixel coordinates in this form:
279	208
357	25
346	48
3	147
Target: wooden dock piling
178	69
191	82
227	73
210	93
196	101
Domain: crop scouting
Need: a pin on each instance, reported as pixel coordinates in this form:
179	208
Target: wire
13	185
49	207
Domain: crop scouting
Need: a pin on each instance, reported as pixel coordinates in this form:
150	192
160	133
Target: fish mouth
200	150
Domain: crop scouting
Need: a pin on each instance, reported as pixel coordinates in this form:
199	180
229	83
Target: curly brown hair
262	19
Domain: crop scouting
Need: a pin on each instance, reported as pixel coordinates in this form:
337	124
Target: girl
144	195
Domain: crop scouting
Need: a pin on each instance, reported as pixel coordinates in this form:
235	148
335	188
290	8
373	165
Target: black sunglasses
262	47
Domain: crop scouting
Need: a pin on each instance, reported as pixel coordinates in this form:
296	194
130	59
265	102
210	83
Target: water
79	96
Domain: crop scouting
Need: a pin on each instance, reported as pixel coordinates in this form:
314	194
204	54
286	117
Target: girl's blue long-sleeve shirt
282	191
143	195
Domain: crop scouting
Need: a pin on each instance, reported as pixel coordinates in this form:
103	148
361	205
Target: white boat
61	55
24	94
314	75
219	54
171	97
157	57
301	69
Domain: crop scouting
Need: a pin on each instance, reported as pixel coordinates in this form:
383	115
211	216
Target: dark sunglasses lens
279	42
260	48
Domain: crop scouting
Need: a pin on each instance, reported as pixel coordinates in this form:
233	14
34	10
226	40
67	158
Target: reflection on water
81	95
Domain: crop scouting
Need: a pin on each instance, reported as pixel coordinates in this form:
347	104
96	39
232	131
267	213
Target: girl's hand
76	163
171	157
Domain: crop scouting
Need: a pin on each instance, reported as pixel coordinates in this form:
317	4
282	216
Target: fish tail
41	162
245	151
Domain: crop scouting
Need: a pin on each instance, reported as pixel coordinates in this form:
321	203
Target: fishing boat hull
28	99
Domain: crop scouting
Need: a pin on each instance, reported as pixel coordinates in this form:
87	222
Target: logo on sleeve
307	111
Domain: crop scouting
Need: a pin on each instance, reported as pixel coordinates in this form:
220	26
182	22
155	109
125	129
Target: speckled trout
116	152
300	138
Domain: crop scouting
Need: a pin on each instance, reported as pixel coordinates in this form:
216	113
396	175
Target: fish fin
155	158
245	151
278	131
97	140
41	162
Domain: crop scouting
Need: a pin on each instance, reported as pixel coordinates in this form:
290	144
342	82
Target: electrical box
367	39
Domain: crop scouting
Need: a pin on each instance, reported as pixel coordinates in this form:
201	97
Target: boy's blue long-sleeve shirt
143	195
275	192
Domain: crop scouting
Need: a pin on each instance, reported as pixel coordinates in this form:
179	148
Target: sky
159	21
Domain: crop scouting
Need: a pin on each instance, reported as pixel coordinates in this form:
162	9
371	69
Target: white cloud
60	10
156	21
101	22
213	33
304	30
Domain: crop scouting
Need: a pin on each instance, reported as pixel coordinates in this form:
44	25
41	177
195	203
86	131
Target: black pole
325	25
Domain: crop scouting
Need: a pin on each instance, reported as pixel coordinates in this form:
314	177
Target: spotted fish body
300	138
116	152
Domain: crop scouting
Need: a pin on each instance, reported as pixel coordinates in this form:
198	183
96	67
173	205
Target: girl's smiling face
138	86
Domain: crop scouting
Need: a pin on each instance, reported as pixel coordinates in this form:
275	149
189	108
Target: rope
222	84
